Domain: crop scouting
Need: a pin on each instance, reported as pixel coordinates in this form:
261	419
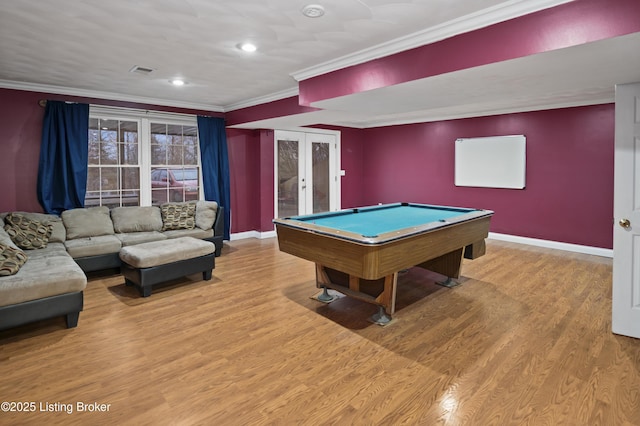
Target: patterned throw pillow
178	216
27	233
11	259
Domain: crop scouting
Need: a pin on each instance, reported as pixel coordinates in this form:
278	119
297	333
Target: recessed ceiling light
248	47
313	11
177	82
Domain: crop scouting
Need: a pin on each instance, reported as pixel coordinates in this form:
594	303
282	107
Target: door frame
338	171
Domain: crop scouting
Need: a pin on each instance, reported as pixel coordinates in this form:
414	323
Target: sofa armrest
218	224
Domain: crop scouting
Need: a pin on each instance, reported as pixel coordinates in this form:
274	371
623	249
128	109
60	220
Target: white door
306	178
626	235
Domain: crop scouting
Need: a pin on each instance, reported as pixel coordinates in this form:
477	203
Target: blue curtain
62	172
215	165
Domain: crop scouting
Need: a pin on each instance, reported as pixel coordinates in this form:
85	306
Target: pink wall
250	156
566	25
267	180
568	198
351	151
569	177
279	108
244	171
21	123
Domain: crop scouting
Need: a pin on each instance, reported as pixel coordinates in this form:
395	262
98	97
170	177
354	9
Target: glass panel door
320	172
288	176
306	173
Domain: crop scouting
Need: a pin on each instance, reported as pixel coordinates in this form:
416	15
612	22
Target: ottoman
147	264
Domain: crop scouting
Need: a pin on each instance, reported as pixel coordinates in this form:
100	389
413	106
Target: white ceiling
87	47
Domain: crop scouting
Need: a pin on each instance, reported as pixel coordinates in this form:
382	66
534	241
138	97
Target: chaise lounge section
48	284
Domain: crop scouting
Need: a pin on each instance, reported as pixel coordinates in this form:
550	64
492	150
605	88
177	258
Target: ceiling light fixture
313	11
248	47
177	82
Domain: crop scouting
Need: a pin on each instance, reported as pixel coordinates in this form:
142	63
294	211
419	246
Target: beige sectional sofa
51	281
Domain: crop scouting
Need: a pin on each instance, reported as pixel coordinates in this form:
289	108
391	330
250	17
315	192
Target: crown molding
483	18
70	91
283	94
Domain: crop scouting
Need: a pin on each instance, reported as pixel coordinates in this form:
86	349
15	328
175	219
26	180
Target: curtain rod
43	103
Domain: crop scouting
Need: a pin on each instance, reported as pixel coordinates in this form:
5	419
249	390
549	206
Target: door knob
624	223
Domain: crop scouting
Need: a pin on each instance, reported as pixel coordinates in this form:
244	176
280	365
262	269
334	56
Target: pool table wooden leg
350	286
387	299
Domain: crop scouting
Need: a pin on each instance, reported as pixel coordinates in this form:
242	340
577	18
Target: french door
306	172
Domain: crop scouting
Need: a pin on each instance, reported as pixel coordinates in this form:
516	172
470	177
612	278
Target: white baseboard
596	251
252	234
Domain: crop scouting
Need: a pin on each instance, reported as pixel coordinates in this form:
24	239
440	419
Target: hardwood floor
524	340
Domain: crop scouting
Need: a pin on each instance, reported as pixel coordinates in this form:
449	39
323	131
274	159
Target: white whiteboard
491	162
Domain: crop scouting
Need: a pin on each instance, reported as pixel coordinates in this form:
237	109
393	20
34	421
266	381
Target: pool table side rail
383	238
376	261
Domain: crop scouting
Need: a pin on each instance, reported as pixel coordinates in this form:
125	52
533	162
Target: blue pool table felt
373	221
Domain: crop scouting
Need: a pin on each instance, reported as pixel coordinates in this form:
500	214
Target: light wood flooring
525	339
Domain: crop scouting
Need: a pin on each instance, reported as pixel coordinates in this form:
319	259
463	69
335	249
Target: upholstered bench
147	264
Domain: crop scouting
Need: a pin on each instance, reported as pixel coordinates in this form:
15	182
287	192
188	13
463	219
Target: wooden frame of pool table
369	271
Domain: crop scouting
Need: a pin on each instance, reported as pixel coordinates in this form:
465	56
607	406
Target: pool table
360	251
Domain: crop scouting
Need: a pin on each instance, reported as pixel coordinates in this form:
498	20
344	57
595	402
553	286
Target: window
175	175
141	158
114	169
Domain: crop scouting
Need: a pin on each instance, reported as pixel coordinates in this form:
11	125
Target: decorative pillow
87	222
11	259
5	238
206	214
178	216
58	235
27	233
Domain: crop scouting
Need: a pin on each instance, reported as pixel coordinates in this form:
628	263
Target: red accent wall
351	151
566	25
267	180
568	198
569	176
21	123
244	171
279	108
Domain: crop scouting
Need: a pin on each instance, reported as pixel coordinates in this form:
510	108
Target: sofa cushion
58	233
51	249
178	215
206	214
131	238
26	233
136	219
87	222
93	246
11	259
51	274
195	233
163	252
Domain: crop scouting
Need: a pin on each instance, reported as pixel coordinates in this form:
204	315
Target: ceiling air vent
141	70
